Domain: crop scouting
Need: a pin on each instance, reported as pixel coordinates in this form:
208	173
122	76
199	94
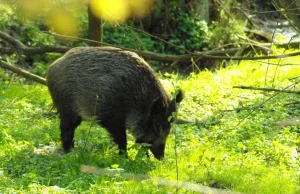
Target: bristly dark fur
116	87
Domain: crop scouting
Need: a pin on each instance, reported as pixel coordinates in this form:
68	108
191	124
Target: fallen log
159	181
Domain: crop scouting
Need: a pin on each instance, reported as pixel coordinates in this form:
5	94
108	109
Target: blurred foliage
60	16
29	33
184	29
118	11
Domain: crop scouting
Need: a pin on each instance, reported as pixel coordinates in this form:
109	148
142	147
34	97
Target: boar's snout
158	151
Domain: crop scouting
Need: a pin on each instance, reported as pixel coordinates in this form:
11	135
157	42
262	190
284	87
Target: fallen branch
268	89
34	50
19	47
23	73
11	40
159	181
23	49
217	55
290	44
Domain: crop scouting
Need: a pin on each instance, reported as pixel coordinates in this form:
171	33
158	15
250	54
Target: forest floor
244	141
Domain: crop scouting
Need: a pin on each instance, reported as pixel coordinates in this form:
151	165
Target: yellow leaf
114	166
240	145
113	11
275	143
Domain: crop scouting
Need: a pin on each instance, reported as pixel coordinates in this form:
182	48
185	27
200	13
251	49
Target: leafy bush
30	34
124	35
226	32
187	30
228	28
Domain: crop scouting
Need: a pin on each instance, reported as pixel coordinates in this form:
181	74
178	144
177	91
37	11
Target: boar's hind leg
118	133
68	123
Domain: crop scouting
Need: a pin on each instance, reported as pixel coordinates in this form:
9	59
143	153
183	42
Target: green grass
241	150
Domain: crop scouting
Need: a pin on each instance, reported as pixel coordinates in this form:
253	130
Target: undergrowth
234	143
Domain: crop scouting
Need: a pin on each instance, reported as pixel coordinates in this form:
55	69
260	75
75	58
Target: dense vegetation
241	140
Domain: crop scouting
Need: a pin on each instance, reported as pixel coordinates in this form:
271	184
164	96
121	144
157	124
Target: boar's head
159	124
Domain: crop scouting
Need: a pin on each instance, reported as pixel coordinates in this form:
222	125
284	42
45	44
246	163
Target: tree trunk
202	8
95	28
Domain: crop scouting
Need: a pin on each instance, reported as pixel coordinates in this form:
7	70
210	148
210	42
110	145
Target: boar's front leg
118	132
68	123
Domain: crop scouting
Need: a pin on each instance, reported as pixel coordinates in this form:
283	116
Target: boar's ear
158	106
179	96
172	106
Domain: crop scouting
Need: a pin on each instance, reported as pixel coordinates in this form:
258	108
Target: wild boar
117	88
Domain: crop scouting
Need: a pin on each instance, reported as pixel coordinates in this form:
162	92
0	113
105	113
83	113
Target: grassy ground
238	149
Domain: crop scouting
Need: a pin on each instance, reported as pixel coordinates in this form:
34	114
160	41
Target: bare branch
23	73
35	50
11	40
268	89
